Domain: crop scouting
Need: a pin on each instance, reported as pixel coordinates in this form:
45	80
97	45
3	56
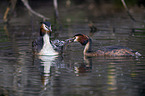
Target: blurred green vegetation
70	10
3	35
128	2
118	4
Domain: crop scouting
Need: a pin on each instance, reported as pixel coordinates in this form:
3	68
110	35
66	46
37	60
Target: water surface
72	74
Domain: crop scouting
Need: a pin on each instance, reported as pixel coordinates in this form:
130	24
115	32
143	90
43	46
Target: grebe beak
71	40
50	30
74	39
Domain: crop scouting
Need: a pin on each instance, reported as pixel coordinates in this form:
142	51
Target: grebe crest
45	28
83	39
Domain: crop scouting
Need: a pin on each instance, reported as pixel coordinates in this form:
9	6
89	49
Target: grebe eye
48	28
45	27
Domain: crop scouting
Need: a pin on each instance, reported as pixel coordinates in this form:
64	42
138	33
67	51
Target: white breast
47	48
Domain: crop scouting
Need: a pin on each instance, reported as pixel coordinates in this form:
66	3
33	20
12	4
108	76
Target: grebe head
83	39
45	28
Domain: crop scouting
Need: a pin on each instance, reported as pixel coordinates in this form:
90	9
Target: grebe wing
37	44
116	47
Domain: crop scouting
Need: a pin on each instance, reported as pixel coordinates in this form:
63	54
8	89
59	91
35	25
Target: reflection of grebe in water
104	51
45	67
83	67
46	63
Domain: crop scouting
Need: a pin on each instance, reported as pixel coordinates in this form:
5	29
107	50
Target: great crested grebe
43	46
104	51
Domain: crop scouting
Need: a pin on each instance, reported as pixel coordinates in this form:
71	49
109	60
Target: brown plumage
104	51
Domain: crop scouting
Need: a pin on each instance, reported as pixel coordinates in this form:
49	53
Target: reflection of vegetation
112	77
140	29
139	34
3	39
3	36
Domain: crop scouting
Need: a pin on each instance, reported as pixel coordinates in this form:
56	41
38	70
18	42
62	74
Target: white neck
47	48
86	47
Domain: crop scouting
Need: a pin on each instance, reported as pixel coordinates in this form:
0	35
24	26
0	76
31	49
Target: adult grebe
43	46
104	51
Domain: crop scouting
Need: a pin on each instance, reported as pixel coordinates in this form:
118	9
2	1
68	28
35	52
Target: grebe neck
88	47
47	48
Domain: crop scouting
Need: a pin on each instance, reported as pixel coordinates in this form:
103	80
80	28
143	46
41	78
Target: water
72	74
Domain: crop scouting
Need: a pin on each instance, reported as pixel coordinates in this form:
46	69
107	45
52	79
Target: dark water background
72	74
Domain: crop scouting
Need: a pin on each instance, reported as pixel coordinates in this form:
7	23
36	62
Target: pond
72	74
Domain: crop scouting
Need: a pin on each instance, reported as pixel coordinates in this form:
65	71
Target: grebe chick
43	46
104	51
